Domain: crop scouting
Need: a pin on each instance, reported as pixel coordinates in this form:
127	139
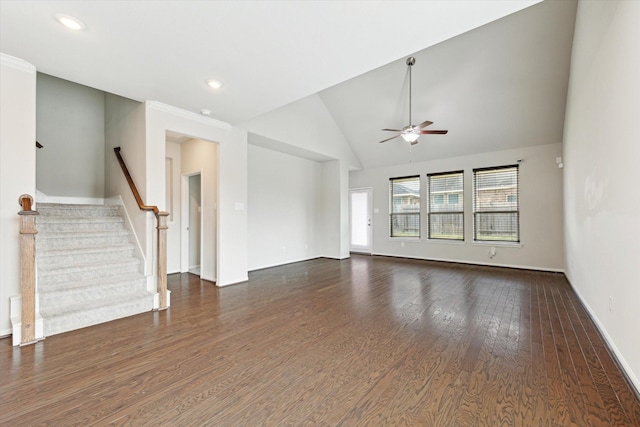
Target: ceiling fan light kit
411	133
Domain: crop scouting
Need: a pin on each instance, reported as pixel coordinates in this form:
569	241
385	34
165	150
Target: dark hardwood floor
366	341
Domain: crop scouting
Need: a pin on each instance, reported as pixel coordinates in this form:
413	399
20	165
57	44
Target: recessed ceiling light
216	84
70	22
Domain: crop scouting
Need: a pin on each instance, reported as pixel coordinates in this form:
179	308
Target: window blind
404	207
446	205
496	204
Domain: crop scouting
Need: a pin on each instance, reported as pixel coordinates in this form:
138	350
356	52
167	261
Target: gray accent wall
70	126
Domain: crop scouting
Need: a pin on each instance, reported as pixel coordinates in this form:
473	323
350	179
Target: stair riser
63	298
82	258
71	276
94	316
86	241
80	212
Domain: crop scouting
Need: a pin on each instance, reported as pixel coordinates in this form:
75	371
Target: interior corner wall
601	174
306	124
70	126
284	221
232	180
124	123
335	223
198	156
541	226
17	169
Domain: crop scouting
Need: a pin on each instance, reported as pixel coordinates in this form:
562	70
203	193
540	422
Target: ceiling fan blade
433	132
424	124
393	130
389	139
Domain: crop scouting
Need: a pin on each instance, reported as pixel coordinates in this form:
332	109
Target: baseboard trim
484	264
286	263
613	349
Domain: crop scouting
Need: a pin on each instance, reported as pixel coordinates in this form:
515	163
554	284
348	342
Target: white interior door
360	209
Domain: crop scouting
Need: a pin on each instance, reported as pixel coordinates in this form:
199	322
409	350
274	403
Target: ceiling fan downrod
410	61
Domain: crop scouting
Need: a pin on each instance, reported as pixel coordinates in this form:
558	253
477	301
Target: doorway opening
360	210
194	224
192	188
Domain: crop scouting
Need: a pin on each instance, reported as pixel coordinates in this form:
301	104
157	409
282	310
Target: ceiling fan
411	133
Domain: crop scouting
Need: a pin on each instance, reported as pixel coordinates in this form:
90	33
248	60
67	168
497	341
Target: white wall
232	175
200	156
70	126
284	217
174	224
125	128
306	128
541	230
17	169
601	175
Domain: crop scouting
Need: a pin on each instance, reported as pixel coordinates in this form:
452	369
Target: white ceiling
499	85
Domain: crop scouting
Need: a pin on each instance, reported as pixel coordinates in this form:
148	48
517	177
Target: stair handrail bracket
28	233
161	218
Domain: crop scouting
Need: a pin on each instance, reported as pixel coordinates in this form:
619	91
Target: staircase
86	267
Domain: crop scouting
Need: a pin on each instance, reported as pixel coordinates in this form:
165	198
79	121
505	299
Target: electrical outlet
610	303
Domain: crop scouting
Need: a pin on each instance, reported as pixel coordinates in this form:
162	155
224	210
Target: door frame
362	249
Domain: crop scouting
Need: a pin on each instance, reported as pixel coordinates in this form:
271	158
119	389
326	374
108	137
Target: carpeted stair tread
50	252
56	209
87	269
82	234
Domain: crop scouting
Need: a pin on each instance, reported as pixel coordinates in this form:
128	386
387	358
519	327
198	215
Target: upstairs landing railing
161	218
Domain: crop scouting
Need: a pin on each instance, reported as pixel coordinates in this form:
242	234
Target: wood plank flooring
365	341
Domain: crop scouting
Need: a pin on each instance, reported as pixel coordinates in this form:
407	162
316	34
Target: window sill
498	243
446	242
405	239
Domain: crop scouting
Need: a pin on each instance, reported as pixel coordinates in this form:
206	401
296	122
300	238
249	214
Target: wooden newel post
162	259
28	269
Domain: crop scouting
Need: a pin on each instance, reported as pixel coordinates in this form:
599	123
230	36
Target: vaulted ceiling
494	73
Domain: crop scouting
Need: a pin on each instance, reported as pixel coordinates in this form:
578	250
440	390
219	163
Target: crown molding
17	63
188	115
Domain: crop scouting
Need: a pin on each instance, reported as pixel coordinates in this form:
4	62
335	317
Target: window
496	204
446	220
404	211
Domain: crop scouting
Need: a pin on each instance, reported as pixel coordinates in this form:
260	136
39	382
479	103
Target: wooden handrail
132	185
28	233
162	233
